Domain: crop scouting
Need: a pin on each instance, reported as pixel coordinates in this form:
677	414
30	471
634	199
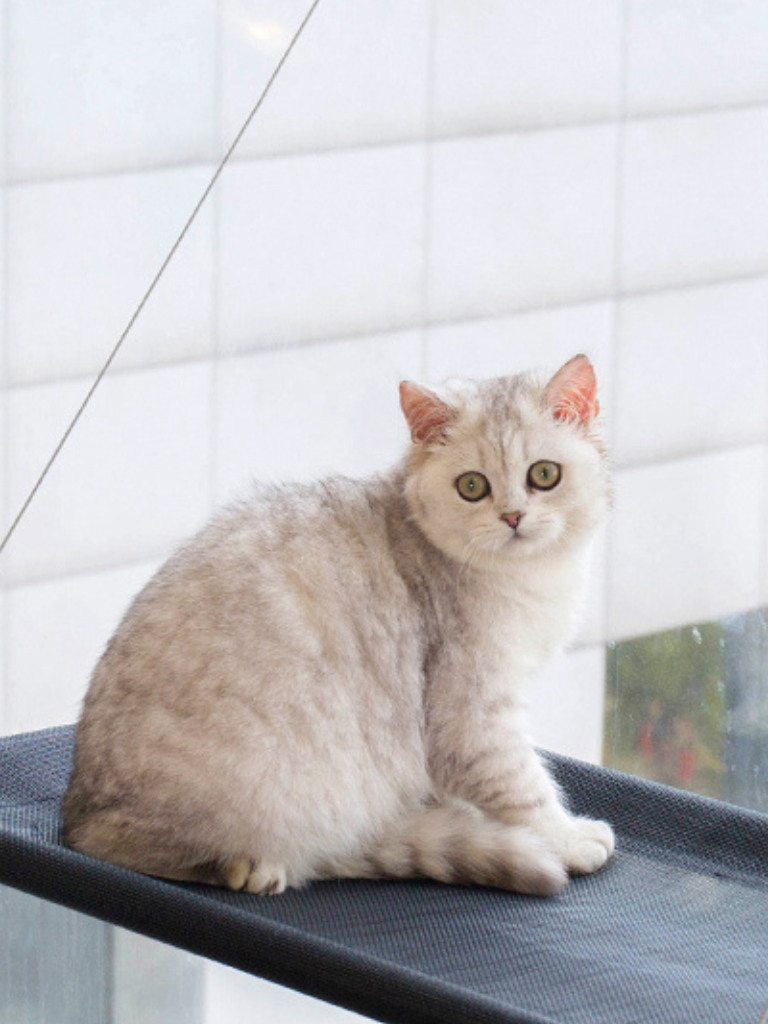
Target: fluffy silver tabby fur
329	680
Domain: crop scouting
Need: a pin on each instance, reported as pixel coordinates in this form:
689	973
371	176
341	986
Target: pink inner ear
426	414
572	392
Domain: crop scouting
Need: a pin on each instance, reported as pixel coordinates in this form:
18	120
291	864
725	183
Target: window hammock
673	931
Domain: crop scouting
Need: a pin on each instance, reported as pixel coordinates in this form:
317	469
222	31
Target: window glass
689	707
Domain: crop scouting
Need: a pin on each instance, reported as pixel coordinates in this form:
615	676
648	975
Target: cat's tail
455	842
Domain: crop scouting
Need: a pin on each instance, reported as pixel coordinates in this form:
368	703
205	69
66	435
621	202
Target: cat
329	680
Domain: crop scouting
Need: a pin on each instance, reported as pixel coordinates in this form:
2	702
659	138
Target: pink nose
512	519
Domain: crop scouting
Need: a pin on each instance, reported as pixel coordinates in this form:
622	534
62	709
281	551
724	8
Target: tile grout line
762	583
522	128
719	448
426	225
215	315
5	376
151	559
616	331
608	296
5	142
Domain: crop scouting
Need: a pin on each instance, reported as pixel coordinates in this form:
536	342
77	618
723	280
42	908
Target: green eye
544	475
473	486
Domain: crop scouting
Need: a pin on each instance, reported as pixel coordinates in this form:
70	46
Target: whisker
471	549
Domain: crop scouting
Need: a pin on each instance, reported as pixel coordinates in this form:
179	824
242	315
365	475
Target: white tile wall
695	203
321	246
96	87
692	371
521	220
57	630
309	412
566	704
343	251
357	77
502	65
131	483
685	541
683	55
82	254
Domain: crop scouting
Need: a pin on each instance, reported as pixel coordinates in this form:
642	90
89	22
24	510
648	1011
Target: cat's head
507	468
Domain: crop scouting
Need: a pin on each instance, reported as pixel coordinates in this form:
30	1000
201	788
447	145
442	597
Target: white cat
329	680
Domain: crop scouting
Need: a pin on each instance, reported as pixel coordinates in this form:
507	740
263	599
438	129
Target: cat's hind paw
266	879
589	846
256	877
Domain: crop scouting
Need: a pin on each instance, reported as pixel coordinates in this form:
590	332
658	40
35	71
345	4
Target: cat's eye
473	486
544	475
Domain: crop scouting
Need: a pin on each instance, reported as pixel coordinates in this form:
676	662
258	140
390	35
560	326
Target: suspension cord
172	252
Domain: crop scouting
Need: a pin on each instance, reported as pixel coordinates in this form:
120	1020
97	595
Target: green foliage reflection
689	707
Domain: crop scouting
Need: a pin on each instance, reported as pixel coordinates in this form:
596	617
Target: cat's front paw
588	845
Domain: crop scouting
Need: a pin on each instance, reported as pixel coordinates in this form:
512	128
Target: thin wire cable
102	372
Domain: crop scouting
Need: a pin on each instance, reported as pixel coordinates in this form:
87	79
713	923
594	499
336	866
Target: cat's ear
428	416
572	392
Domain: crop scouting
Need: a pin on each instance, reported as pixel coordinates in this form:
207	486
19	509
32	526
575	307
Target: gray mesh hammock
674	930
